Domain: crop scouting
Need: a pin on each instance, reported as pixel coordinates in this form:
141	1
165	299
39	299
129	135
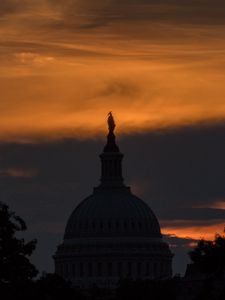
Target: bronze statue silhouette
111	139
111	122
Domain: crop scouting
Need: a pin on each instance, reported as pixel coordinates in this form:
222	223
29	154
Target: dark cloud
176	171
10	7
180	173
88	14
188	163
92	14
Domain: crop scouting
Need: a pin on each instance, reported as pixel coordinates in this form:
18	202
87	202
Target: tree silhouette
209	256
54	287
146	289
15	267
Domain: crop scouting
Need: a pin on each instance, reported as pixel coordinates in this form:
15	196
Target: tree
53	287
15	267
209	256
146	289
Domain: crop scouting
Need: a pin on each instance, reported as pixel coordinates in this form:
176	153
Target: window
73	270
93	225
99	269
155	270
120	269
161	269
139	268
61	270
90	269
147	269
109	269
66	269
129	268
81	270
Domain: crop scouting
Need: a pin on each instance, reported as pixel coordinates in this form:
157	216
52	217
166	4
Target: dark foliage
145	290
53	287
209	256
15	267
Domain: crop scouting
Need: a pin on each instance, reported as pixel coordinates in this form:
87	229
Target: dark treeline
18	277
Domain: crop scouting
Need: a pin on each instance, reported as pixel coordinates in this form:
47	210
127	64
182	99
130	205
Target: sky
158	65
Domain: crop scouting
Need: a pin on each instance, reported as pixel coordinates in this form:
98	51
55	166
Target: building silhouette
112	234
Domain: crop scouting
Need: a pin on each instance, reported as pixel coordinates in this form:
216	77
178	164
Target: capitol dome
112	213
112	234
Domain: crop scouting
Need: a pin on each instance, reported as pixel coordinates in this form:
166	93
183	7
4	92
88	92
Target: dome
112	234
112	213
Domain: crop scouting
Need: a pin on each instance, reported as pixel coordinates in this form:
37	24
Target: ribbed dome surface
108	213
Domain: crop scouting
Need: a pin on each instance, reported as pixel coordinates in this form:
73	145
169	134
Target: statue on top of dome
111	122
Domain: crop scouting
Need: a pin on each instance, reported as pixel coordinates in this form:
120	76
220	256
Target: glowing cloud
64	65
191	229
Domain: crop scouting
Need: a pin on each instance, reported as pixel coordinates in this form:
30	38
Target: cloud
56	102
92	14
158	58
193	229
17	173
173	170
180	174
159	65
33	58
11	6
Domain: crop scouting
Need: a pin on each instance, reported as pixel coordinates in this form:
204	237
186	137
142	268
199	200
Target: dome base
104	262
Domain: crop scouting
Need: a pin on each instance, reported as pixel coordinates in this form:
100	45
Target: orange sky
191	229
65	64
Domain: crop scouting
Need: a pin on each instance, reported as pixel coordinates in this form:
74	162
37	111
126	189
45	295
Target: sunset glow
194	231
57	82
158	65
